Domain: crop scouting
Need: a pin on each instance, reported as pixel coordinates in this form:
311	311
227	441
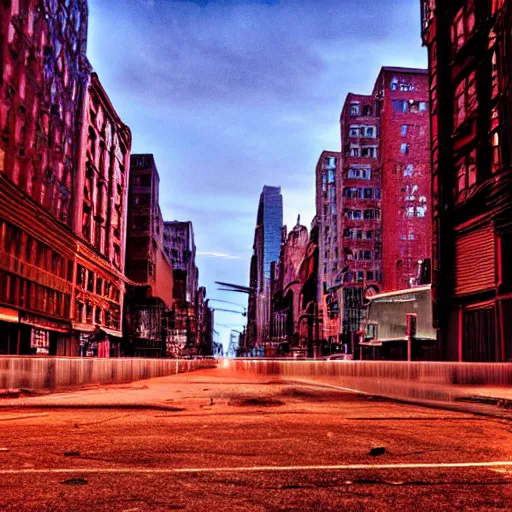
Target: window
330	162
359	235
410	211
369	214
421	211
370	132
369	152
368	193
466	175
354	109
354	131
369	235
360	276
466	101
422	106
462	26
354	151
352	193
377	193
407	86
400	106
495	151
357	173
370	275
354	214
404	149
394	84
403	130
347	233
331	176
367	110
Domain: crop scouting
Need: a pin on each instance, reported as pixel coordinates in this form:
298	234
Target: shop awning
9	315
83	327
112	332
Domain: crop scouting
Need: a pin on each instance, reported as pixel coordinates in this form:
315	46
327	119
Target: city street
213	440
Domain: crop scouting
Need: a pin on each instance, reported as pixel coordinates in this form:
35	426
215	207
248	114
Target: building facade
60	283
149	301
470	75
360	219
286	290
266	249
402	99
327	207
180	248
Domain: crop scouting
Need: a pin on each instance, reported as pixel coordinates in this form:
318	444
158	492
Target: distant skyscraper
267	246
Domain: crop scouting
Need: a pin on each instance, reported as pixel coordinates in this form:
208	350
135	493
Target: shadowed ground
213	440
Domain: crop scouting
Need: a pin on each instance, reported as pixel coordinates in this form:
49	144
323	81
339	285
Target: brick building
327	207
148	311
384	223
469	45
402	97
60	282
99	221
359	220
286	288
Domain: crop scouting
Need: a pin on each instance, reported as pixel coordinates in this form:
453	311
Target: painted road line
253	469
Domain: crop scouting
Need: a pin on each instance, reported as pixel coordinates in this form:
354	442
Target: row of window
362	214
363	255
412	106
355	109
355	173
402	85
357	151
27	294
358	277
368	132
361	193
407	128
89	314
20	245
416	211
89	281
358	234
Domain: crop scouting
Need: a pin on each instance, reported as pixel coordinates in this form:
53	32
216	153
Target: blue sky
231	95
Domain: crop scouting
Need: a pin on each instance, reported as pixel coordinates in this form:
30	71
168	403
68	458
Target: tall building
180	248
469	46
99	221
179	245
327	204
360	223
402	97
266	249
384	190
149	299
63	179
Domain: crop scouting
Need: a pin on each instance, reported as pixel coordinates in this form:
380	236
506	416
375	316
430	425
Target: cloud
231	95
218	255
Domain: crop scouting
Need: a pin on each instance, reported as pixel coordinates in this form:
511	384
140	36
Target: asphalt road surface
216	441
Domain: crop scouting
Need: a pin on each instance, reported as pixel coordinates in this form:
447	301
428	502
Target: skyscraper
267	246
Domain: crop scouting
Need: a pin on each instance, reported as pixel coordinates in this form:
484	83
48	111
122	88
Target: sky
231	95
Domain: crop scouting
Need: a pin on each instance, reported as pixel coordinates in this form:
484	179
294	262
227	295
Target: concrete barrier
395	379
54	373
